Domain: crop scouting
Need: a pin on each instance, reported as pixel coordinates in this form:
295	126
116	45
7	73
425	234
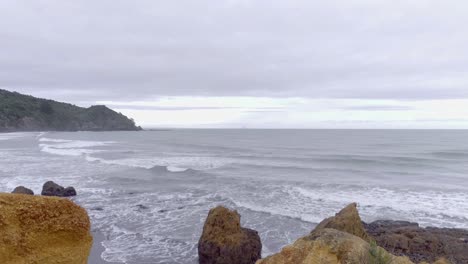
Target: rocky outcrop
347	220
344	238
421	244
22	190
331	246
50	188
38	229
224	241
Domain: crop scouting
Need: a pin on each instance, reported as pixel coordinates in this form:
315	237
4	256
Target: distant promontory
19	112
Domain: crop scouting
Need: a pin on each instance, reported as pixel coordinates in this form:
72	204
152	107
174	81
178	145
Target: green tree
46	108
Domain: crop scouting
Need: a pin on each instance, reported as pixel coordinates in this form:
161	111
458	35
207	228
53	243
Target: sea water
149	192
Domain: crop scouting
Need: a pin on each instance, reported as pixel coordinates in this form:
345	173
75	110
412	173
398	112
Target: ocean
149	192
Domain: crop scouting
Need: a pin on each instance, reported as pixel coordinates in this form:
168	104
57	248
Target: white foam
84	148
176	169
67	151
67	147
313	204
79	144
8	136
425	204
42	139
140	236
41	134
138	163
173	164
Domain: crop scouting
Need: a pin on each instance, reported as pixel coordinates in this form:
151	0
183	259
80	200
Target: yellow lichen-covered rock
43	230
341	239
439	261
347	220
442	261
330	246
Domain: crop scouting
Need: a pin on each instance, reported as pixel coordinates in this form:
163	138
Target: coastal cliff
20	112
39	229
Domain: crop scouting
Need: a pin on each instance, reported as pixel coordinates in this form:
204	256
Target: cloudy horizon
241	63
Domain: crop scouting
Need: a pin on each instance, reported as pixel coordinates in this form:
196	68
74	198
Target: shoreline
97	249
396	238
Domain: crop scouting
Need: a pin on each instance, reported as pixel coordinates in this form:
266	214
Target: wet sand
97	249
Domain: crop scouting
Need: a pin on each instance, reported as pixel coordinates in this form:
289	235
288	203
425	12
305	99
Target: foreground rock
36	229
331	246
344	238
421	244
347	220
50	188
22	190
224	241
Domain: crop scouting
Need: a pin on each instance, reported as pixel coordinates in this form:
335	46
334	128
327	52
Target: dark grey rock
69	191
142	207
418	243
50	188
22	190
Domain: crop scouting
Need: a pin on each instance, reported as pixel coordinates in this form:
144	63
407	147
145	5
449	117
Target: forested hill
20	112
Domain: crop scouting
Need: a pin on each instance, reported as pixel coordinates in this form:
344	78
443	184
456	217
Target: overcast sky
245	63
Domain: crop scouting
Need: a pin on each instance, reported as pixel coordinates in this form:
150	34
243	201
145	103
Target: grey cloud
135	50
266	110
181	108
379	108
